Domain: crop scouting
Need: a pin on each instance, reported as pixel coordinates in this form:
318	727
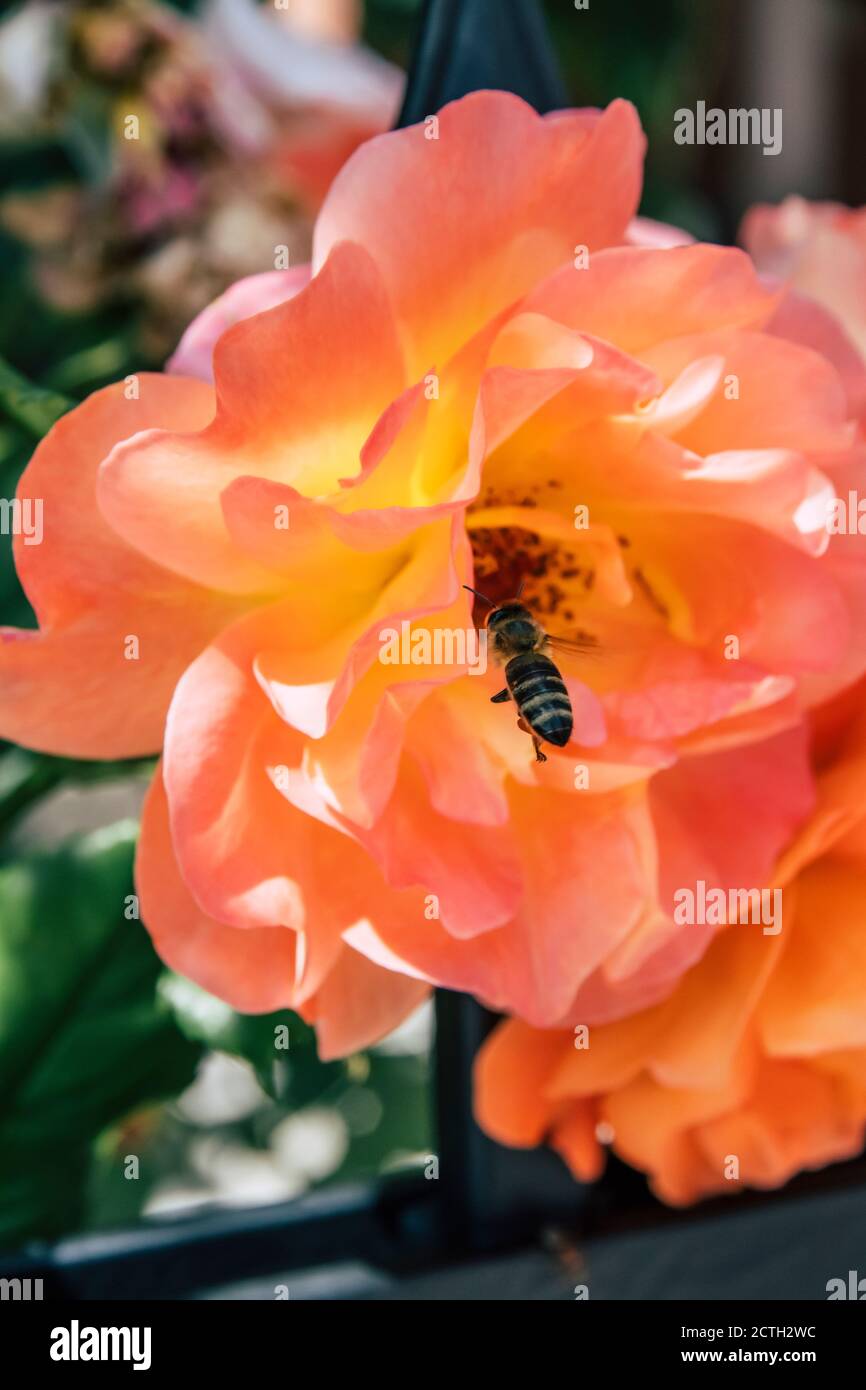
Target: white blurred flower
224	1091
172	1198
312	1143
241	1176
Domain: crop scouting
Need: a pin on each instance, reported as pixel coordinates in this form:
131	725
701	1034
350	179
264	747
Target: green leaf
32	407
84	1036
92	366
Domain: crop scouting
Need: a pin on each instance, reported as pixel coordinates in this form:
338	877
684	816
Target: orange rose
481	383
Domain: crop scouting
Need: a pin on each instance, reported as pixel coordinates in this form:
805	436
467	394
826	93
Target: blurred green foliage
94	1032
378	1100
84	1035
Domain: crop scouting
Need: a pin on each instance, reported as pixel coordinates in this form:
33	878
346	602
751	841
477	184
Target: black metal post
464	45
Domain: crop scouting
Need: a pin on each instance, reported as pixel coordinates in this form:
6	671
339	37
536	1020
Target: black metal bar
783	1244
465	45
390	1226
490	1197
463	1151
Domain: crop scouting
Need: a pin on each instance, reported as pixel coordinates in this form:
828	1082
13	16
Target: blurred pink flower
818	249
298	87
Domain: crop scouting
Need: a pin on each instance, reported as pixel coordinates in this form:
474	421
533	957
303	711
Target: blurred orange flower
481	382
755	1066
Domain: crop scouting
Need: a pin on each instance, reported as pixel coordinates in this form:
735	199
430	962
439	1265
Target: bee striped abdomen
541	697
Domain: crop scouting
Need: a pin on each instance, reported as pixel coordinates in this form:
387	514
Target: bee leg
536	741
539	756
501	697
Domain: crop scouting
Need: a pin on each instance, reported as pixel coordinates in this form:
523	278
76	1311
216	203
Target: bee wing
579	646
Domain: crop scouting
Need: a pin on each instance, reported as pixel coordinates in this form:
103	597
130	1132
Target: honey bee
532	679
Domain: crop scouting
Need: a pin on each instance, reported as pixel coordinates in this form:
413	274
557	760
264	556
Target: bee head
509	613
512	628
502	613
